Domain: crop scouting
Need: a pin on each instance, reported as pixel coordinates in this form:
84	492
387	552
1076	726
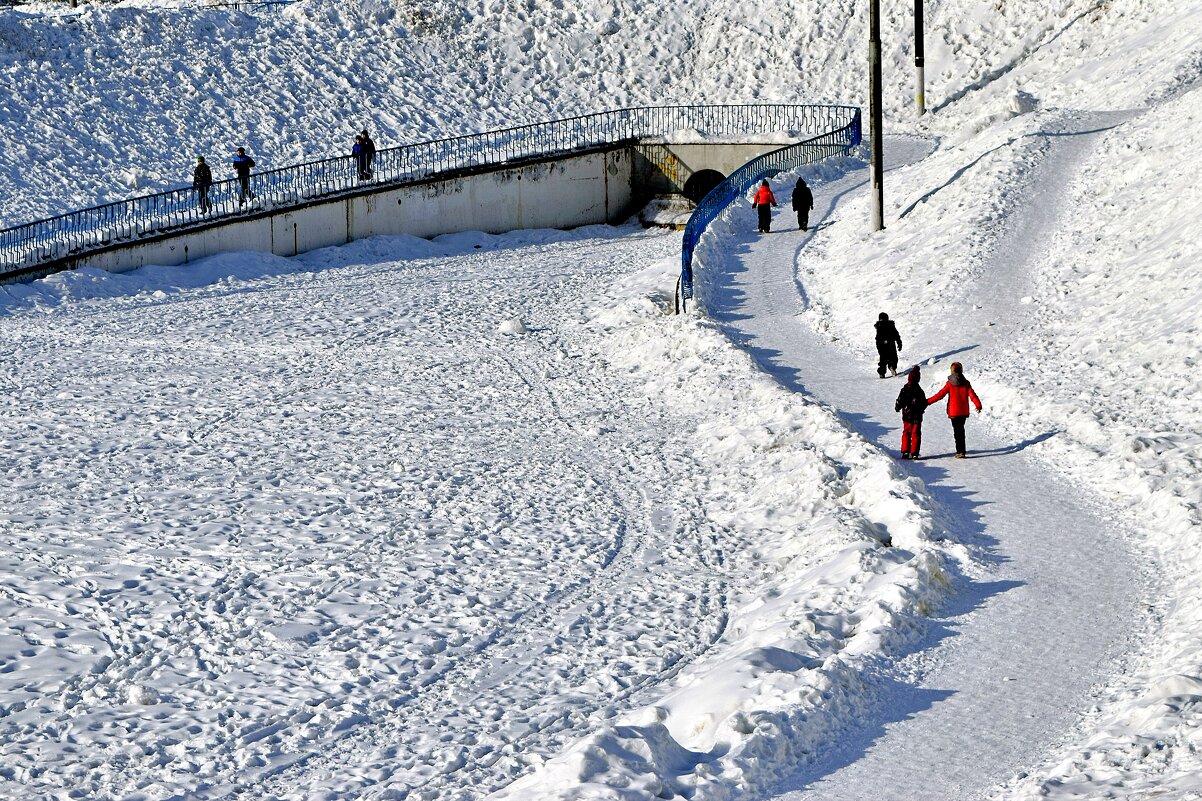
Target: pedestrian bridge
597	168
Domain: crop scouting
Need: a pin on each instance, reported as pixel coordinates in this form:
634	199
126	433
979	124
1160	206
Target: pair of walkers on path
764	200
912	402
364	153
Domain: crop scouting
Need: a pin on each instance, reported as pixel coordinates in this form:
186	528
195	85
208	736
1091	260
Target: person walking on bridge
803	201
360	159
369	153
242	166
764	201
202	179
888	345
958	392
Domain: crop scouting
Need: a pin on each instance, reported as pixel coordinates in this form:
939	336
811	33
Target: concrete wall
592	188
587	189
663	169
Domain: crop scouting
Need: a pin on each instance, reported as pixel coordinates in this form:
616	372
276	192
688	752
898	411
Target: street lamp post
874	112
919	60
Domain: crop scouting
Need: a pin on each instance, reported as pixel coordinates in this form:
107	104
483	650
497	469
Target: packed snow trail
1010	664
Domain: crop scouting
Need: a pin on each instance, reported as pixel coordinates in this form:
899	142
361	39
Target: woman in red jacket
764	201
959	393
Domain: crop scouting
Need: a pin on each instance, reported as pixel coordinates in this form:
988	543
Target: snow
478	517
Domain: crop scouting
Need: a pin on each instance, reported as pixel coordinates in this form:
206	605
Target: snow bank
1060	239
1119	298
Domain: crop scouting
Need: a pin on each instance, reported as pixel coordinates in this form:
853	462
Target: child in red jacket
912	403
959	392
764	201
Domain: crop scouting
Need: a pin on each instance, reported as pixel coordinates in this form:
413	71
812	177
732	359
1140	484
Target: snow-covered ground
441	519
321	522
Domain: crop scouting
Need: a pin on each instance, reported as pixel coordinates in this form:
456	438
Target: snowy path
1009	666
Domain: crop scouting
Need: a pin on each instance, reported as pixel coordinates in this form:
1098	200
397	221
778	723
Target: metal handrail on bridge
832	143
32	247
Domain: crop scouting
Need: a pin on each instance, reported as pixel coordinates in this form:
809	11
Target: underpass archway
700	183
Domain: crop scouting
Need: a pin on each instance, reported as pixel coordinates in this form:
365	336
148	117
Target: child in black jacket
912	403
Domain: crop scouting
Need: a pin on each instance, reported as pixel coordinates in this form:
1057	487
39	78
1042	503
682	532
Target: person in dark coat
764	201
958	392
912	403
803	201
369	153
888	345
242	166
202	179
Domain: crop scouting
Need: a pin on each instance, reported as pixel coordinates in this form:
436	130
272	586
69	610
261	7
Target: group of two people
364	153
764	200
912	402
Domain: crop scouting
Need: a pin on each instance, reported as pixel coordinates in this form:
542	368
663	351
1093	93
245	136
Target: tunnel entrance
700	183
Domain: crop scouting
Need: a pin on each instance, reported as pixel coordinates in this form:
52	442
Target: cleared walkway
1009	664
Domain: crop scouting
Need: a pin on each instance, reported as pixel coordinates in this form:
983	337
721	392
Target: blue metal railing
26	248
836	141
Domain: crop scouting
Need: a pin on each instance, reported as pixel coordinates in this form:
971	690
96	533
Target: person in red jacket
959	393
764	201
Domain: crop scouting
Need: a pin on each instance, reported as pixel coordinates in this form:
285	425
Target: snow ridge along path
1011	664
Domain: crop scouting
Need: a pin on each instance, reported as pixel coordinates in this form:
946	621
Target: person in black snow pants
888	345
369	153
202	179
764	201
803	201
912	403
959	393
242	166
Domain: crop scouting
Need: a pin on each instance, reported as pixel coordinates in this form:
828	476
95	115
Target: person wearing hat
764	201
912	403
202	179
959	392
888	345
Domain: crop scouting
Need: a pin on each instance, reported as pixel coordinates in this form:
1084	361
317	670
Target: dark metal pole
874	110
919	60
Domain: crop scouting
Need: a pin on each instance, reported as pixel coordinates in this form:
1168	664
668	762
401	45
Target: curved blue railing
28	248
831	143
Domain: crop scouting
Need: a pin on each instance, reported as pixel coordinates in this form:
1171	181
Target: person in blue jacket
242	166
359	152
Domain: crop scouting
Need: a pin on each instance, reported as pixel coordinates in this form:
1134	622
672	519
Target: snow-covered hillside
342	527
119	100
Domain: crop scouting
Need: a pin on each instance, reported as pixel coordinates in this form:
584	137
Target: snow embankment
1117	371
159	85
857	560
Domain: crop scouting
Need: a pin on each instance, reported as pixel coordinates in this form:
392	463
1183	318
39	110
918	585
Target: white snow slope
437	520
120	99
